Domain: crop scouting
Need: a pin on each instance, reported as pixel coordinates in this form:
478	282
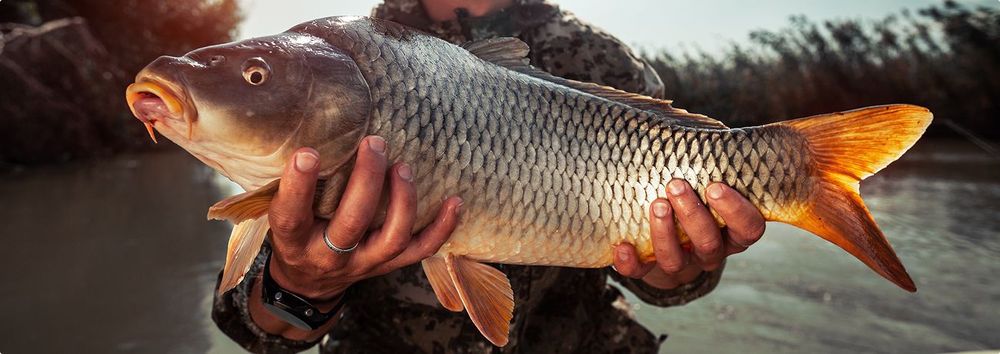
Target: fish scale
552	171
571	212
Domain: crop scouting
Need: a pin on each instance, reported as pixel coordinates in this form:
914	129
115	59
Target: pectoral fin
244	245
440	279
486	294
243	206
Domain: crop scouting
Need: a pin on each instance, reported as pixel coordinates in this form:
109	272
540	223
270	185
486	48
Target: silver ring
334	248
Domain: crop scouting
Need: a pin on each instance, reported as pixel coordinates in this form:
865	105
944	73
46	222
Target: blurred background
107	250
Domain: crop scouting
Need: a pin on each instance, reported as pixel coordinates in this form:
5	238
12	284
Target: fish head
244	107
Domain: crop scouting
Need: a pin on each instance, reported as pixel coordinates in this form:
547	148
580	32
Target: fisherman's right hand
302	263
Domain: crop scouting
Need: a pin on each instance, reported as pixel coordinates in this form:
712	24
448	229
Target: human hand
301	261
710	244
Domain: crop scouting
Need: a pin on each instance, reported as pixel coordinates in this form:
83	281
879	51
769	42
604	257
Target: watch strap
293	308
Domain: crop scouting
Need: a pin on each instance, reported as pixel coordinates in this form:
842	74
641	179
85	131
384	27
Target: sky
648	24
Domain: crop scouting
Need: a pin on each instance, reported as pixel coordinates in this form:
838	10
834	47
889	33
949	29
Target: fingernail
404	172
458	207
660	209
306	161
377	144
676	187
715	191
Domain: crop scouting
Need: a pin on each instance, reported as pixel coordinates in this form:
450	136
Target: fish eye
256	71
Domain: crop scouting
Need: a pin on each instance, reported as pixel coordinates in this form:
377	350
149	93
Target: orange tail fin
846	148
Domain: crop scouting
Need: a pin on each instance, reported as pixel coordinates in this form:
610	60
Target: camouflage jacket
559	310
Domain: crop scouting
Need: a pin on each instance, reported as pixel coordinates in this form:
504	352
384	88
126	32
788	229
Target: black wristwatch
291	307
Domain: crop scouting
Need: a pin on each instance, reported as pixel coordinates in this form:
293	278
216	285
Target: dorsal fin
512	53
508	52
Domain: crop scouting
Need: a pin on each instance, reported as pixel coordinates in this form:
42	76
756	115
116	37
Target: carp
553	171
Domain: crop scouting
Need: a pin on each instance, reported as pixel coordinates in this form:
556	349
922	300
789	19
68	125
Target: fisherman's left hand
710	244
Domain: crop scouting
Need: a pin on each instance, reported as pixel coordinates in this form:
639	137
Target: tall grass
944	57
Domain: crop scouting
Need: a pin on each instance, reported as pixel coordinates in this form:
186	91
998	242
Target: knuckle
711	246
427	249
352	225
285	261
286	224
757	230
395	247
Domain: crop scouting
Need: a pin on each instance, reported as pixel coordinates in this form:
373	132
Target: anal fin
486	293
440	279
244	245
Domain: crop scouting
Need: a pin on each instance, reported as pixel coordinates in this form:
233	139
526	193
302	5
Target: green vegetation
945	57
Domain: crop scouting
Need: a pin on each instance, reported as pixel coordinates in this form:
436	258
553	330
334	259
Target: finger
361	196
401	212
744	223
670	257
627	262
698	223
428	241
290	214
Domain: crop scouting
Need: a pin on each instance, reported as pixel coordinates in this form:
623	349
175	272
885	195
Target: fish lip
174	96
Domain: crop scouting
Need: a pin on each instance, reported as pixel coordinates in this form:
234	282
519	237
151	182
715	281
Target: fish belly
574	213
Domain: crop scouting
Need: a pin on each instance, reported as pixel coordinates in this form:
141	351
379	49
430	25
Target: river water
116	256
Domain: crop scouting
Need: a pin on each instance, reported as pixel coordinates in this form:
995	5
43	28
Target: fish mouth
153	100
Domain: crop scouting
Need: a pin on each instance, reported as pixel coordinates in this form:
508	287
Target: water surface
794	293
116	256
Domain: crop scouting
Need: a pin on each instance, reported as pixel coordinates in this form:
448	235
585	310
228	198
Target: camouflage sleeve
568	47
680	295
230	311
